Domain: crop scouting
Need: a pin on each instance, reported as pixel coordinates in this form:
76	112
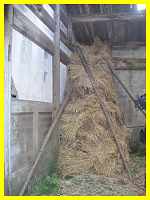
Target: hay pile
86	143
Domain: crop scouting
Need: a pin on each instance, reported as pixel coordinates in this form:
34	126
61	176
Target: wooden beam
28	29
130	68
35	133
64	58
101	8
44	143
41	13
129	63
64	17
91	25
109	27
71	36
131	45
85	25
27	106
56	63
136	53
103	18
7	97
63	14
23	25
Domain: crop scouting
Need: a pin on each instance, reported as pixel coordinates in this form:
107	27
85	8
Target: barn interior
75	99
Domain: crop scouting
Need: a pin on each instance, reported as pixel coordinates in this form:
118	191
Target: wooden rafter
105	17
90	24
85	26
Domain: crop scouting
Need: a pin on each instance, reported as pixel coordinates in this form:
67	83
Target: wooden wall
134	80
133	75
27	122
112	23
30	122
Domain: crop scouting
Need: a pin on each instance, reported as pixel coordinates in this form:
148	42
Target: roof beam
136	53
91	25
103	18
41	13
36	34
85	26
127	45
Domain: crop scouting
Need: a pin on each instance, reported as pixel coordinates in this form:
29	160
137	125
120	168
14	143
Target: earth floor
93	185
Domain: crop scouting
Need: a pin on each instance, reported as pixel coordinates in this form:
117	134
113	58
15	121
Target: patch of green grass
52	168
48	185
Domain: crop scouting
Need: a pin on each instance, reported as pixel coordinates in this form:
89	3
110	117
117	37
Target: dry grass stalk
86	144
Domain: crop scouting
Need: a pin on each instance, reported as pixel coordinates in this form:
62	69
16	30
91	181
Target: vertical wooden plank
84	25
56	62
109	27
7	96
87	8
69	34
35	132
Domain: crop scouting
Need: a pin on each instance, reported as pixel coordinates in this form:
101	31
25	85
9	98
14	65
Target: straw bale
86	144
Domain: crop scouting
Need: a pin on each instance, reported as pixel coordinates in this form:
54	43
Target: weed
48	185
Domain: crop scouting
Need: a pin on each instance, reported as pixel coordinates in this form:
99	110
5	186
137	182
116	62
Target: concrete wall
134	80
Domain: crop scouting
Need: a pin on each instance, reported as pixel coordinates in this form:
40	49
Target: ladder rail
124	87
102	106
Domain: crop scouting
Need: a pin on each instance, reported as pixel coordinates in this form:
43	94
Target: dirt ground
93	185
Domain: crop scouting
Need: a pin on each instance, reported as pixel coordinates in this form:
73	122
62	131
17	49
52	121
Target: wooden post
85	26
35	132
7	96
45	141
56	62
70	34
109	26
87	8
